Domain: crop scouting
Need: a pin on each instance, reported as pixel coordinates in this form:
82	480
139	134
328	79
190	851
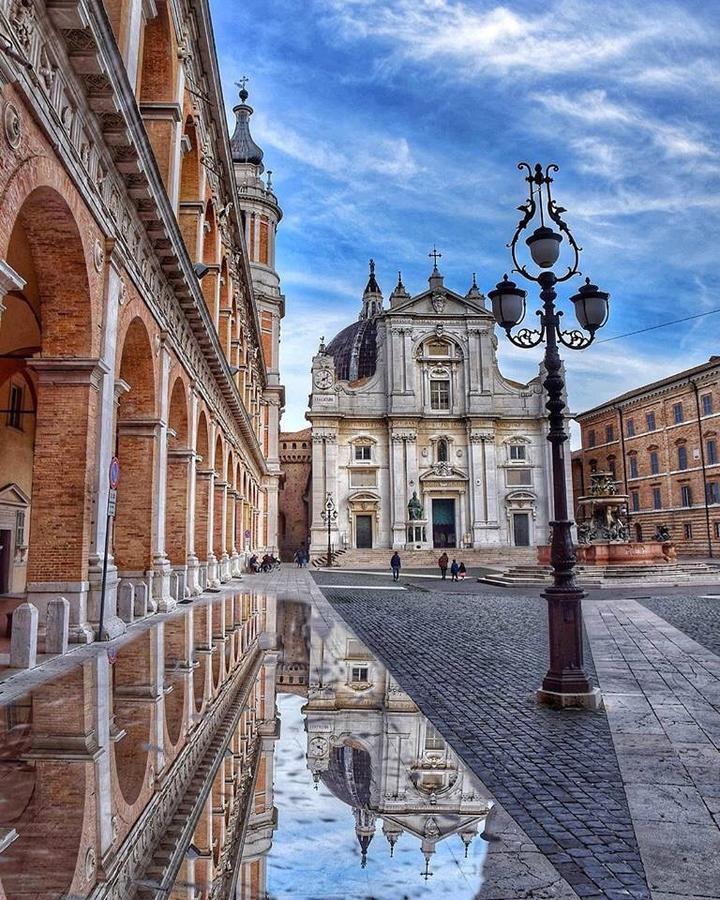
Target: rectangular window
712	490
518	477
686	495
611	468
14	416
707	404
20	528
657	498
440	394
591	437
359	674
650	420
711	452
687	531
363	478
635	497
633	466
433	740
630	427
362	451
609	433
677	413
654	462
517	451
682	457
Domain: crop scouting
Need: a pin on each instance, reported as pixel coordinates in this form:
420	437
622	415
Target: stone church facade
417	436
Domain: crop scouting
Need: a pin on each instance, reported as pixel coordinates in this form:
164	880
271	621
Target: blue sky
396	124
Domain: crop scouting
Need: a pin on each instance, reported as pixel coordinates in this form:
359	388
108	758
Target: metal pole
564	598
104	580
329	551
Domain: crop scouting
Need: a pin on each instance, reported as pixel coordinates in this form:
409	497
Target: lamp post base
590	700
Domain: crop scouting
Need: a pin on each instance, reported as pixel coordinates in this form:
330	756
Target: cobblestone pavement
697	616
472	662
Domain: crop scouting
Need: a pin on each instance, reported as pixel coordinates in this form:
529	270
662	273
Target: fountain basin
618	554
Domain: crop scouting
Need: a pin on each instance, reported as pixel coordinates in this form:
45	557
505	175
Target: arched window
442	450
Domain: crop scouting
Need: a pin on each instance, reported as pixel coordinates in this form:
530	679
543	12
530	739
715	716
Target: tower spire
372	296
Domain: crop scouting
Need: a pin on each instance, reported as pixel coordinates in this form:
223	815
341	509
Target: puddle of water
355	795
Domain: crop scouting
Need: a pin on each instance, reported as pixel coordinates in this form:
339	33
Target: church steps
683	573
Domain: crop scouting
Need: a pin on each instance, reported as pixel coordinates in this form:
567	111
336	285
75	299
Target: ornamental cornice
79	108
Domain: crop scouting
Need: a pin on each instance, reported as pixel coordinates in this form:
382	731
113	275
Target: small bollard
58	624
126	602
23	640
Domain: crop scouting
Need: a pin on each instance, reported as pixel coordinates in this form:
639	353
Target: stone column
161	564
203	506
68	399
179	467
213	575
399	481
102	685
221	529
110	392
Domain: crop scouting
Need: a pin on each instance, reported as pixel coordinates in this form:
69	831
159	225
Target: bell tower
260	214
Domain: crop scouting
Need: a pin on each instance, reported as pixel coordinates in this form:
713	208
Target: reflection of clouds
315	853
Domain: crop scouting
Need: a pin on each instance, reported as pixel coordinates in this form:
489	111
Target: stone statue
662	534
415	508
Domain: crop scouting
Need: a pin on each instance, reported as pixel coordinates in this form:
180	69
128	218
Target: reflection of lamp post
565	683
329	515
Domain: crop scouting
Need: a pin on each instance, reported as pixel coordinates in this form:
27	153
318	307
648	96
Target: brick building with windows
662	443
139	311
295	487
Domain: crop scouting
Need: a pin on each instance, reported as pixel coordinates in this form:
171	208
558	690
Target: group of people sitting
266	564
457	569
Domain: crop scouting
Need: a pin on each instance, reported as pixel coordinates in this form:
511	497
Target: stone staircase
685	572
379	558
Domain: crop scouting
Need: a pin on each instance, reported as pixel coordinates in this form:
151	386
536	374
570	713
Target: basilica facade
419	441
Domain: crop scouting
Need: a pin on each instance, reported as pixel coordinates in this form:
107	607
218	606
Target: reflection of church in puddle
368	744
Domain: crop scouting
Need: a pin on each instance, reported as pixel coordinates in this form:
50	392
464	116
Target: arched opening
178	472
36	802
638	532
159	69
190	194
220	487
47	344
202	642
203	478
442	450
175	677
135	448
132	710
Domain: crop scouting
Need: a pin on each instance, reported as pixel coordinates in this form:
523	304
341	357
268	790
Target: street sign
114	473
112	502
247	535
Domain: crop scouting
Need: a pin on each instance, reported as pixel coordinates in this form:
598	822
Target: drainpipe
621	425
702	463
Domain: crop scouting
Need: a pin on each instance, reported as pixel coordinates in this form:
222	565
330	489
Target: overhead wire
616	337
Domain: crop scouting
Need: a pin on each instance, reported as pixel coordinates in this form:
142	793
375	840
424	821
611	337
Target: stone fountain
603	532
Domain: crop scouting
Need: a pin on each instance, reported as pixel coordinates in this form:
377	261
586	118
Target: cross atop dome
242	84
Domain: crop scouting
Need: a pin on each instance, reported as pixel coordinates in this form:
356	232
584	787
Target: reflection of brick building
661	441
295	464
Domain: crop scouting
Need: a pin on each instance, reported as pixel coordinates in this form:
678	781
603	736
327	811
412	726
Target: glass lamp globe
508	303
591	306
544	244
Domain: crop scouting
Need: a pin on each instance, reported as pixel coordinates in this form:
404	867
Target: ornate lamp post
565	683
329	515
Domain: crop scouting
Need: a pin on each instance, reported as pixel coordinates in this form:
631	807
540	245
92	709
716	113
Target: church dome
242	147
354	350
348	775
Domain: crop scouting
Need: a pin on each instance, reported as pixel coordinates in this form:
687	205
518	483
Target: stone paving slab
472	662
661	688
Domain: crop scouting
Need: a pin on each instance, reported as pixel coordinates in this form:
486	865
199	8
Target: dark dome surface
242	146
354	350
348	775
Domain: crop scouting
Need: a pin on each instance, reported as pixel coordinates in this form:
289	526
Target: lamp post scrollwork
566	683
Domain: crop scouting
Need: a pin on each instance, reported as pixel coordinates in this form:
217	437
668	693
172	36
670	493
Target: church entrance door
521	529
443	523
363	532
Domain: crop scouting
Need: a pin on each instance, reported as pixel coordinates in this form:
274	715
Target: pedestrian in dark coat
395	565
454	569
443	564
462	571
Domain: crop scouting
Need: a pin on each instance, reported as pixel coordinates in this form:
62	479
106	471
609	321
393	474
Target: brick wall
294	499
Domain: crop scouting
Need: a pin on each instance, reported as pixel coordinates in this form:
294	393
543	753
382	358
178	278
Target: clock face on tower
317	747
323	379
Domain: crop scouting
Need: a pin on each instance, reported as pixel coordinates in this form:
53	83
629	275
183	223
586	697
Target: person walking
443	564
454	569
462	571
395	565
